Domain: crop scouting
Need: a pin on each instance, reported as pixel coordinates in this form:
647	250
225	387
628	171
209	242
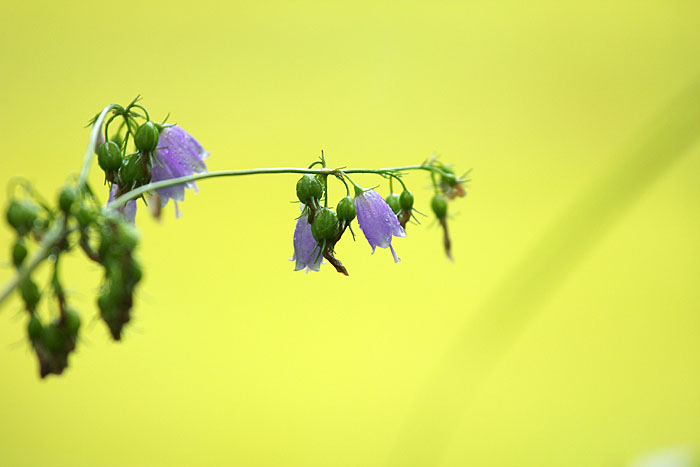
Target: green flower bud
439	206
346	209
308	188
53	339
325	224
406	200
394	203
67	197
72	322
135	271
107	305
146	137
109	156
117	139
30	293
21	215
448	178
127	235
34	328
132	172
19	252
85	216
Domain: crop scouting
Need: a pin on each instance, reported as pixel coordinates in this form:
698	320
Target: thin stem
135	193
342	179
325	190
144	110
51	239
403	185
94	135
59	231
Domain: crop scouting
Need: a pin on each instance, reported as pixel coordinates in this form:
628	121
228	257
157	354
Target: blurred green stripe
497	324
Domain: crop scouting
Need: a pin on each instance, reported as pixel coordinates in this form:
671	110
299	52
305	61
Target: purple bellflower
305	247
377	221
178	155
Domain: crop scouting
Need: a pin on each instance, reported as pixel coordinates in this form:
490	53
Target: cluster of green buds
320	228
76	220
447	189
122	272
327	226
402	205
140	157
129	169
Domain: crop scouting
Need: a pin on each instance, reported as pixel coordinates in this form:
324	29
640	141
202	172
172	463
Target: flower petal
306	252
128	210
377	221
178	155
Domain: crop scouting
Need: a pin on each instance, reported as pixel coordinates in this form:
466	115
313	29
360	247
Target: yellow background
567	330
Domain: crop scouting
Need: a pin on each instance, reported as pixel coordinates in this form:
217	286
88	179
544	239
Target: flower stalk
143	158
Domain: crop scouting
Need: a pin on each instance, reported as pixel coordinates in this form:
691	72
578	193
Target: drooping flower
377	221
178	155
306	250
128	210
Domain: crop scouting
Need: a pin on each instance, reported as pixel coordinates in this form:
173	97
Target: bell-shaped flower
178	155
306	250
128	211
377	221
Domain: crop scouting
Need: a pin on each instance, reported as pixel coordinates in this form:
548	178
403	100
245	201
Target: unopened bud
439	206
34	328
309	188
325	224
21	215
406	200
19	252
109	156
146	137
132	172
346	209
67	197
30	293
394	202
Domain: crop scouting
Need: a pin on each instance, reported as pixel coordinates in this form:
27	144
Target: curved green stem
342	179
144	110
94	135
135	193
403	185
59	231
51	239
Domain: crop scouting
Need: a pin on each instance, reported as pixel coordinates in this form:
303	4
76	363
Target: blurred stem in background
498	323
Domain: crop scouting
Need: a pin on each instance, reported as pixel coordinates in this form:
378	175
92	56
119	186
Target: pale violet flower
178	155
377	221
128	210
306	250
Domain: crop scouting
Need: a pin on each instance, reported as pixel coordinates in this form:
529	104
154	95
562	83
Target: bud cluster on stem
156	162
